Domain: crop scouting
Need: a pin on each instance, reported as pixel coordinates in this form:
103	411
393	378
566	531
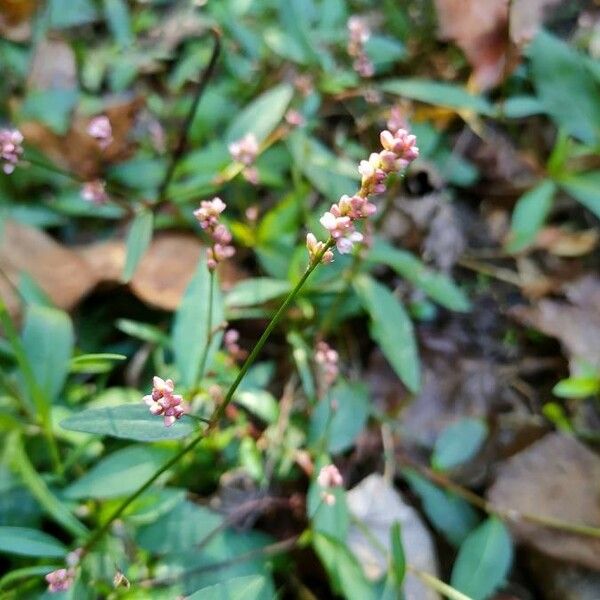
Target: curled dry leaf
566	475
378	506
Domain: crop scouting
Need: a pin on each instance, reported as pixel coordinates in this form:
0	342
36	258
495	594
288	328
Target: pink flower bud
100	129
329	476
60	580
244	150
95	192
163	401
11	149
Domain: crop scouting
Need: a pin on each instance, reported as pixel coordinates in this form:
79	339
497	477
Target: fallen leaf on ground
378	506
53	66
61	273
562	242
566	475
577	328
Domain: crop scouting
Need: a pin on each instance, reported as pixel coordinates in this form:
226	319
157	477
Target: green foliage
138	240
392	328
458	443
484	560
398	557
253	587
29	542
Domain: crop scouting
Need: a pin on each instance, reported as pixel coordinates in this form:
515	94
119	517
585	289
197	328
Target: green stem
209	332
218	412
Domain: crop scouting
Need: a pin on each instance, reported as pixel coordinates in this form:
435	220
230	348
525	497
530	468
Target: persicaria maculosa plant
341	222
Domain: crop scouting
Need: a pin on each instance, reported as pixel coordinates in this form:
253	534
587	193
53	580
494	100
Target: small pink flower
218	253
250	174
396	119
163	401
328	361
100	129
346	243
209	211
244	150
356	207
373	176
329	477
294	118
338	226
401	143
60	580
315	247
230	341
11	149
95	192
359	33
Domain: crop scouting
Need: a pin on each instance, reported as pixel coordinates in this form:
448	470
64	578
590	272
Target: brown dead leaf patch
557	478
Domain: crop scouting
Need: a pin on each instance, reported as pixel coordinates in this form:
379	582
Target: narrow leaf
585	187
483	561
128	422
138	240
436	285
398	558
29	542
391	328
529	215
259	290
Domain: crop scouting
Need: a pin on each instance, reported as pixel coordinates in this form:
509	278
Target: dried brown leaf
561	242
558	478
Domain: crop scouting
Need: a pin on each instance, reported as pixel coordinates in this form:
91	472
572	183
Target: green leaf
258	290
138	240
179	530
458	443
252	587
29	542
48	342
518	107
332	175
143	331
451	515
119	21
38	488
392	328
68	13
439	94
529	215
190	327
577	387
565	87
484	560
262	115
259	402
585	187
345	573
340	428
398	558
120	473
436	285
383	50
128	422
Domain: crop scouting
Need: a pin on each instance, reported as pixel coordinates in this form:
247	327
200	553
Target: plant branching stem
183	138
209	329
218	412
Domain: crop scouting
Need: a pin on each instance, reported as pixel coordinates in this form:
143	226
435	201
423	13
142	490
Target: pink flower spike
100	129
11	148
163	401
329	476
244	150
60	580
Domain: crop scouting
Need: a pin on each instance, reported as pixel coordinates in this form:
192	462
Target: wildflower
358	35
95	192
250	174
163	401
209	211
101	130
230	341
315	248
399	150
244	150
208	217
396	119
11	148
294	118
60	580
329	477
328	361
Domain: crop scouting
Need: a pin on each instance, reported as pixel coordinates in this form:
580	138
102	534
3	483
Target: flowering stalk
219	411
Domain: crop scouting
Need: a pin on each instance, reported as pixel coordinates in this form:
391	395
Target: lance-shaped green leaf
29	542
138	240
391	328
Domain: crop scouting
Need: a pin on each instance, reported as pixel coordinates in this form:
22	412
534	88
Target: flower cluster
399	150
61	580
359	33
245	151
95	192
315	248
328	361
329	477
163	401
11	148
208	217
100	129
230	341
